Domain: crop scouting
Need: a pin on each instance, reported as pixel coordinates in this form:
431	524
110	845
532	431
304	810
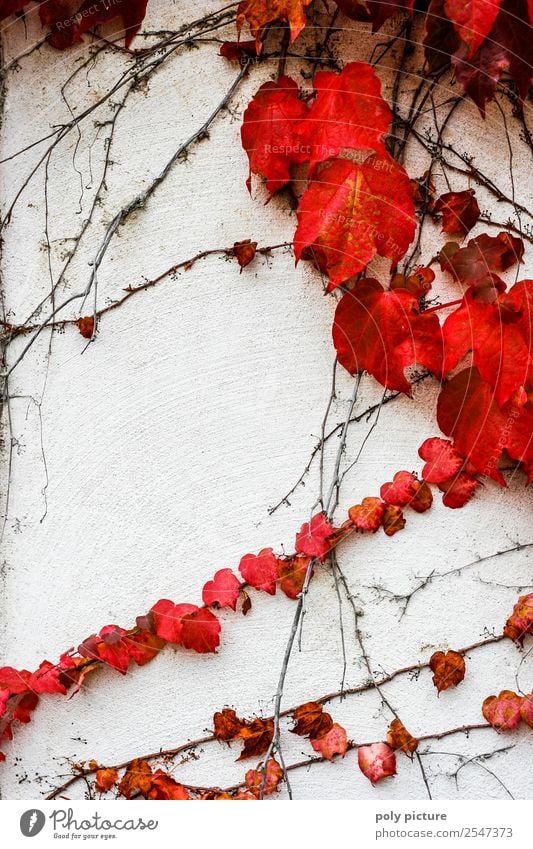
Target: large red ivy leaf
500	335
473	20
348	112
376	11
259	13
480	44
68	20
384	332
507	49
352	212
467	411
269	132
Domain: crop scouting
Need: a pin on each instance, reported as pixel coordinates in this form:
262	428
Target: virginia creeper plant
331	146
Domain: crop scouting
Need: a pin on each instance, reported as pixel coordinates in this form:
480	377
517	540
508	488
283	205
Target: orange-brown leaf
136	779
398	737
448	669
227	724
244	252
86	326
368	515
256	780
292	574
311	721
520	621
106	779
257	736
393	520
259	13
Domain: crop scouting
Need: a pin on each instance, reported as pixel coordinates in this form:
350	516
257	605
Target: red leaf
68	28
143	646
109	646
376	11
163	786
520	622
335	742
47	679
255	778
502	711
499	334
444	466
312	538
507	49
368	515
352	212
269	132
519	442
223	590
376	761
383	332
25	707
259	13
448	669
236	51
11	7
441	40
466	410
526	710
442	460
200	631
458	490
291	574
473	20
401	491
14	680
460	211
168	619
348	112
482	257
260	570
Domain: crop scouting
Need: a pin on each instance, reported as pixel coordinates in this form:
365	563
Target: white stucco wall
147	461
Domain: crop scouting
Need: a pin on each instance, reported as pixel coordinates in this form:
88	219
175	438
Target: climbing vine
332	147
